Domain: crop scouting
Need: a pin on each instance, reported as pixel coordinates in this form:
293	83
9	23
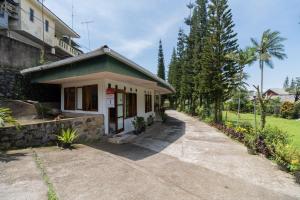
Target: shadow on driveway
159	134
8	157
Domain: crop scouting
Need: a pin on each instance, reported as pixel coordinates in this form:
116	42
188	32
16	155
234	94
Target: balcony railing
66	47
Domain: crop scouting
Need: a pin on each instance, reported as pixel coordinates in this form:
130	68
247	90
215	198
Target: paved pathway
193	141
20	179
183	159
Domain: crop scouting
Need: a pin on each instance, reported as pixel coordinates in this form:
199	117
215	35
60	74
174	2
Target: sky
134	28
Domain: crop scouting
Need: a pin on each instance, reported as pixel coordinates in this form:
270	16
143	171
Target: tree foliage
161	62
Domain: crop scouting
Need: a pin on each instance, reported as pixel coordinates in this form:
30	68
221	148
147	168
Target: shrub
139	124
248	126
269	138
287	110
297	109
6	117
288	157
67	137
273	142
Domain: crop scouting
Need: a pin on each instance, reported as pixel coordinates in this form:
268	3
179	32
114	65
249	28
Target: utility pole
73	14
43	24
88	31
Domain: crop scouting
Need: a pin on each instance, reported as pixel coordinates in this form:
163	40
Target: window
69	98
31	15
90	98
131	105
148	103
79	98
46	25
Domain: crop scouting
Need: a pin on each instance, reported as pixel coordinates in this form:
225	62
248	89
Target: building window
90	98
148	103
131	105
69	98
46	25
79	98
31	15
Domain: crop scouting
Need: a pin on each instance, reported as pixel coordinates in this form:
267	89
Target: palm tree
270	46
242	58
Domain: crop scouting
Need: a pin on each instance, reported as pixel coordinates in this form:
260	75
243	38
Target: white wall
36	28
102	108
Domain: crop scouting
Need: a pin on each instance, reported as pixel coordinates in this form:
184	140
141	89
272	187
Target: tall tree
286	83
172	68
201	30
161	62
172	77
217	77
187	83
181	46
268	47
242	58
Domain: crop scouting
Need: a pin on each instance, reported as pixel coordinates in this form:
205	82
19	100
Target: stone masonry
89	128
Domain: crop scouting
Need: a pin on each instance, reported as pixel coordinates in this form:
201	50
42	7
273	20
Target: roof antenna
88	31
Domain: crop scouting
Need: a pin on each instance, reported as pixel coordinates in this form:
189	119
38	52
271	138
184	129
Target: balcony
66	47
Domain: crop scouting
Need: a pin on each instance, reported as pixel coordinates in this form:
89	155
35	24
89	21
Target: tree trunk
239	107
261	65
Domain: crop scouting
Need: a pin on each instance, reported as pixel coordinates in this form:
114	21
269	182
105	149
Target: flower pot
297	175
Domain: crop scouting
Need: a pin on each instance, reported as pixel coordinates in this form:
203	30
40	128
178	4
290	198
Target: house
281	94
31	22
103	82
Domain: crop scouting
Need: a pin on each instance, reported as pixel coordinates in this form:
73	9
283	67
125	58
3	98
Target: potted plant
67	137
139	125
150	120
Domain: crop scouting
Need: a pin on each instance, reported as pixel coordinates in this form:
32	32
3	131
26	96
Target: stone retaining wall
89	128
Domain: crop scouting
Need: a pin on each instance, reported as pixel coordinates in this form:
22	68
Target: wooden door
120	111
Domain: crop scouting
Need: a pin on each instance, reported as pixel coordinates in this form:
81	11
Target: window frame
130	107
83	98
148	103
31	14
46	25
67	98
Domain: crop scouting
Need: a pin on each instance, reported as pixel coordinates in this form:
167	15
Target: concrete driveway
182	159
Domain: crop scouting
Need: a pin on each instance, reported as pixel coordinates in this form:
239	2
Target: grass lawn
292	127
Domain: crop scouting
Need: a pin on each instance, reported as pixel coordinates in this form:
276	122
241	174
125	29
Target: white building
31	22
104	82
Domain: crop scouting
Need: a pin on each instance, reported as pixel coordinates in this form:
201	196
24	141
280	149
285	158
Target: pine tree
217	77
201	30
180	61
161	62
286	83
172	68
188	72
172	76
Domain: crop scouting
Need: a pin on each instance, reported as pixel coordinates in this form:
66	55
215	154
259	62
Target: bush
67	137
269	138
139	124
273	142
273	107
6	117
297	109
287	110
288	157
